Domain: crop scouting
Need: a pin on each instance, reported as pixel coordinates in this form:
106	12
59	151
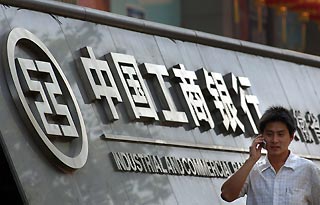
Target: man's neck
277	161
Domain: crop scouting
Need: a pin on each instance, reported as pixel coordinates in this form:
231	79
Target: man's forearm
230	190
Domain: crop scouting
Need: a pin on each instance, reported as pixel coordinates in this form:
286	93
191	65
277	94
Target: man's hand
230	190
255	148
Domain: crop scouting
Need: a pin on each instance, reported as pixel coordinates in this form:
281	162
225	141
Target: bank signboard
91	106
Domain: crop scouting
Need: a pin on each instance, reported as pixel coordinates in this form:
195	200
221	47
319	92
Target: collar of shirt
290	163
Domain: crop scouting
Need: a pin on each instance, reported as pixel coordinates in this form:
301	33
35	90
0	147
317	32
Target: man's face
277	137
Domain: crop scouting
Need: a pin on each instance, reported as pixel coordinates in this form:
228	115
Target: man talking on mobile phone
281	177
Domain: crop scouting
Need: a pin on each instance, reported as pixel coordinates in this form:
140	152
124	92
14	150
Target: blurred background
288	24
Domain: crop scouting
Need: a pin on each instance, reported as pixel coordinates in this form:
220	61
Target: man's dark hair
277	114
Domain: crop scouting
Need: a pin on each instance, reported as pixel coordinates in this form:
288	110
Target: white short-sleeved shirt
296	183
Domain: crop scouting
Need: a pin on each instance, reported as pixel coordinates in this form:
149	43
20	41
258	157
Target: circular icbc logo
45	100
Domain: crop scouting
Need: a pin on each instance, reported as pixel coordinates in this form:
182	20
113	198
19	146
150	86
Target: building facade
97	108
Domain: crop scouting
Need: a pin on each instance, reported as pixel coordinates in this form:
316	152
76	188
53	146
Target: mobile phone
263	144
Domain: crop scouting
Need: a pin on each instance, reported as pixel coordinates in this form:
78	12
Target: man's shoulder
301	162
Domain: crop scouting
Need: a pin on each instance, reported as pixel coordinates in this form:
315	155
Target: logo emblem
45	99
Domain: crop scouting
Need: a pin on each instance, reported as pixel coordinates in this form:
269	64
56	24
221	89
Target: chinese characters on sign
99	82
208	98
308	129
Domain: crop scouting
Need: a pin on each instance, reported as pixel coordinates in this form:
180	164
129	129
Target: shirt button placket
276	190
